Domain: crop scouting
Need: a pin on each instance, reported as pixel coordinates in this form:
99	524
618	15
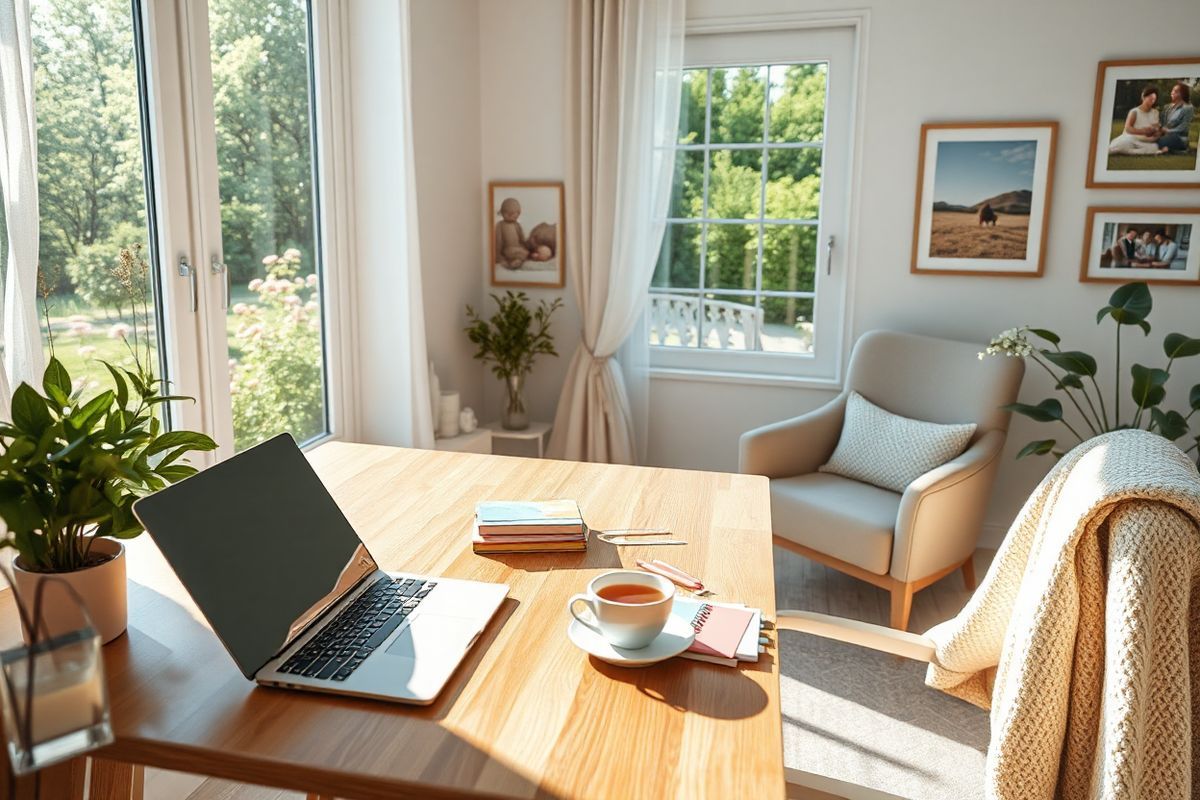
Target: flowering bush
276	380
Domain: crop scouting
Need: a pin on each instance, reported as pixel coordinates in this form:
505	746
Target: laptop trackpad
434	635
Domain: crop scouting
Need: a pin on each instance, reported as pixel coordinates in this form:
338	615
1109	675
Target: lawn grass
1182	162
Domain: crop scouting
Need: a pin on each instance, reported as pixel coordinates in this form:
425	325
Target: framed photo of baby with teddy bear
526	236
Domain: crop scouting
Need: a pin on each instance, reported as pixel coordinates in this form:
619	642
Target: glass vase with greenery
510	341
1076	373
72	464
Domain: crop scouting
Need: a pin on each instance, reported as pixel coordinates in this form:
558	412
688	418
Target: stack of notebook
725	633
510	526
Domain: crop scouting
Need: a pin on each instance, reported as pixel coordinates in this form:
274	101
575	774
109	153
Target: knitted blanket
1084	637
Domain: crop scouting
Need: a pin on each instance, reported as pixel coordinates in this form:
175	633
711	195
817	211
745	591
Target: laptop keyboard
358	629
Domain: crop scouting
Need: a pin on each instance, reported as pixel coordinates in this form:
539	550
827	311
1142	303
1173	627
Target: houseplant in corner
511	340
1077	374
72	465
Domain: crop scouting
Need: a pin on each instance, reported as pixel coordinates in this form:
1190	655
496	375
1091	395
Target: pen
673	574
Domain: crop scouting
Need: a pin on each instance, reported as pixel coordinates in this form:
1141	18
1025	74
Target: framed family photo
525	221
1144	126
1154	245
983	198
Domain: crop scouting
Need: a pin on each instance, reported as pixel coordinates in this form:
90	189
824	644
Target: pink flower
240	308
255	285
80	328
269	260
298	281
291	253
291	300
311	280
119	331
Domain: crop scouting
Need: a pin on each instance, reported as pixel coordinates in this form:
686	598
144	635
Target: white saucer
676	637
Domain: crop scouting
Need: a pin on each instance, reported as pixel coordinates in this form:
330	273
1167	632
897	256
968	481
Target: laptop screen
259	544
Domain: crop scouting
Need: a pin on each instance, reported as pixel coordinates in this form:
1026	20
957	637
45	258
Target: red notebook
719	629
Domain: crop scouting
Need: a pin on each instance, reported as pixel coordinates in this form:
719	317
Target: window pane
789	258
92	190
260	63
798	103
735	184
679	259
787	324
732	256
738	105
691	106
794	183
731	322
687	185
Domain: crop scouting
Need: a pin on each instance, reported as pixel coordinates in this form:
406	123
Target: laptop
293	593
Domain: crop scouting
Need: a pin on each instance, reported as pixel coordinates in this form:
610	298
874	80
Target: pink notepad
719	629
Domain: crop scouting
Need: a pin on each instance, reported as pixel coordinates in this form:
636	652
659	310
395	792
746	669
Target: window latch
829	254
186	270
218	268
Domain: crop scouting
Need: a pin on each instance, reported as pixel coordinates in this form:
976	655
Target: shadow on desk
599	555
735	696
180	703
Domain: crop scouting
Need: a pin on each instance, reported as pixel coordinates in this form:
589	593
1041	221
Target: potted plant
511	340
72	465
1075	374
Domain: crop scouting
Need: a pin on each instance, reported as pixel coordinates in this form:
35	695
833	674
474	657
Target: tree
91	269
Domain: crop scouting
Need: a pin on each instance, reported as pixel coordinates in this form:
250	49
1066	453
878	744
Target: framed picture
1144	126
525	220
1154	245
983	198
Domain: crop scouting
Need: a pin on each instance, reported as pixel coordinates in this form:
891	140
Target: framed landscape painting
1144	125
1155	245
525	221
983	198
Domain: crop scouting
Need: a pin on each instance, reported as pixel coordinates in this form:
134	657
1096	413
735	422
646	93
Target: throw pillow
891	451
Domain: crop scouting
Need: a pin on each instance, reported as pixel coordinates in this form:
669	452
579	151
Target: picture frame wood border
1052	125
1090	181
1089	229
562	233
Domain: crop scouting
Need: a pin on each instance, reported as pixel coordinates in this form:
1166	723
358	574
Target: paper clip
619	537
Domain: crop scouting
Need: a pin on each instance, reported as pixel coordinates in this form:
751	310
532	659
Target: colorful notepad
516	526
725	634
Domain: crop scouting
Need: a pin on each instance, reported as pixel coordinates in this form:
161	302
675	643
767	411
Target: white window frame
183	160
823	368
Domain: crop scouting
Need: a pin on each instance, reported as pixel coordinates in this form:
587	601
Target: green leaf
56	381
189	439
1073	361
1049	336
122	388
1170	424
1194	397
1039	448
1148	385
1069	381
21	514
90	412
1129	305
166	398
1049	410
1177	345
176	472
29	412
70	448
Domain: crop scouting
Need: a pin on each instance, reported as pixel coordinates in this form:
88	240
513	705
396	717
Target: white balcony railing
675	321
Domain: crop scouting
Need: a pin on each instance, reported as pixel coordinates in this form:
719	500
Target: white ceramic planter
102	588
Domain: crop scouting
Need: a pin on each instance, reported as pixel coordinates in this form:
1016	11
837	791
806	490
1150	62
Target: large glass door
179	206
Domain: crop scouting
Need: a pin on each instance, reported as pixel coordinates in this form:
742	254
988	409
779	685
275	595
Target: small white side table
477	441
537	431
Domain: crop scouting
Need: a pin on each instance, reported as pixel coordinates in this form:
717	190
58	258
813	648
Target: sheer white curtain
18	191
393	364
624	62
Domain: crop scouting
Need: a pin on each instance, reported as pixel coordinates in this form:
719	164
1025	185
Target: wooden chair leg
968	572
901	605
64	780
115	780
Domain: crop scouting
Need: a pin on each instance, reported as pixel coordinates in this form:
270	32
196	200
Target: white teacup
630	625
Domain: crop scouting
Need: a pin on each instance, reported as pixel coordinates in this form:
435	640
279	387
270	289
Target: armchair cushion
837	516
891	451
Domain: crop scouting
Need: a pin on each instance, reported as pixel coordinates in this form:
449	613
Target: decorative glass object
53	696
515	417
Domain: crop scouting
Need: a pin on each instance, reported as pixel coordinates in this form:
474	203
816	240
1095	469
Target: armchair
901	542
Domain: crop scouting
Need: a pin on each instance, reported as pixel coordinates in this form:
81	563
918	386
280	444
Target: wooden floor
800	584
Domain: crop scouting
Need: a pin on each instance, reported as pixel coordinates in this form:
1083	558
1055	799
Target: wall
927	60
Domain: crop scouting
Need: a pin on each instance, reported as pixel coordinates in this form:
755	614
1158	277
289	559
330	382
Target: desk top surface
527	714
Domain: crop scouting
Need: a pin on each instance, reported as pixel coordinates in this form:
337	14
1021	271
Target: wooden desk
527	715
